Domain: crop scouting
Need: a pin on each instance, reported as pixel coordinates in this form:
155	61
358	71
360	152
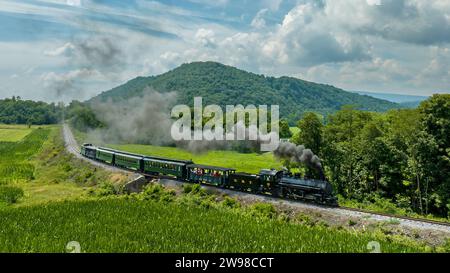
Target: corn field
15	156
127	225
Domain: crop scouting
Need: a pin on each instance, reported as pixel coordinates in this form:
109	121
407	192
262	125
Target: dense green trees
285	131
18	111
402	155
82	117
310	133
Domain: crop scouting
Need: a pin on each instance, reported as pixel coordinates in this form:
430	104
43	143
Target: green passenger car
105	156
157	166
211	175
128	161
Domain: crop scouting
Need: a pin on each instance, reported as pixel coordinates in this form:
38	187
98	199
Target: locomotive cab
269	179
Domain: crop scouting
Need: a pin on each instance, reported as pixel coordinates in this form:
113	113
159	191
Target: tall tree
285	130
433	152
310	133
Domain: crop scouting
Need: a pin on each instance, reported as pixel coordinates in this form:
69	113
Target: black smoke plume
299	154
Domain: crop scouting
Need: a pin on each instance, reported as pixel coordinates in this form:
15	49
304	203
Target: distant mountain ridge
397	98
225	85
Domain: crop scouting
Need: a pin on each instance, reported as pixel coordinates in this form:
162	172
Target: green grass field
244	162
13	133
251	163
39	166
121	225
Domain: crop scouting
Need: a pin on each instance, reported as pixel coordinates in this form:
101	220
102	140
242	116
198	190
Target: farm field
13	133
36	169
128	225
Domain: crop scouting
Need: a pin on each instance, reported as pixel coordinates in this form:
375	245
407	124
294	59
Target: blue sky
73	49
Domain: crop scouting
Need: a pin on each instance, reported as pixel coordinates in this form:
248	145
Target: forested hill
226	85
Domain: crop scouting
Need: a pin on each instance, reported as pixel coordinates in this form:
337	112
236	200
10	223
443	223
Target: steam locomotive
270	182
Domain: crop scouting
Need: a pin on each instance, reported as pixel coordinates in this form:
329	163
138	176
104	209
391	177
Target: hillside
223	85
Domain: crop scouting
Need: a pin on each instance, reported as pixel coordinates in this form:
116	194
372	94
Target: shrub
187	188
263	210
10	194
105	189
230	202
157	192
305	220
194	189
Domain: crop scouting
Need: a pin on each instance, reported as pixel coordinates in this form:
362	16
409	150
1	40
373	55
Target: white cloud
259	21
76	3
65	49
206	37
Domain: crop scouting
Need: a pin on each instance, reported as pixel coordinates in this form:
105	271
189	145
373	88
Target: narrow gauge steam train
270	182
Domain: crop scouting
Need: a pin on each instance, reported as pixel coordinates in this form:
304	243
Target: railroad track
394	216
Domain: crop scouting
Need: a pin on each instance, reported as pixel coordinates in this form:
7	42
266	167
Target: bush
105	189
157	192
194	189
263	210
10	194
230	202
305	220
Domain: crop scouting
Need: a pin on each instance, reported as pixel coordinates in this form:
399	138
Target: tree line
17	111
402	155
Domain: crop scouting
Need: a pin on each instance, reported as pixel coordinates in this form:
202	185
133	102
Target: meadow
13	134
243	162
36	169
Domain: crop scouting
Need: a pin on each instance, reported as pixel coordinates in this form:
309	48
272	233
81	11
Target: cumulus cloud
65	49
206	37
410	21
259	21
